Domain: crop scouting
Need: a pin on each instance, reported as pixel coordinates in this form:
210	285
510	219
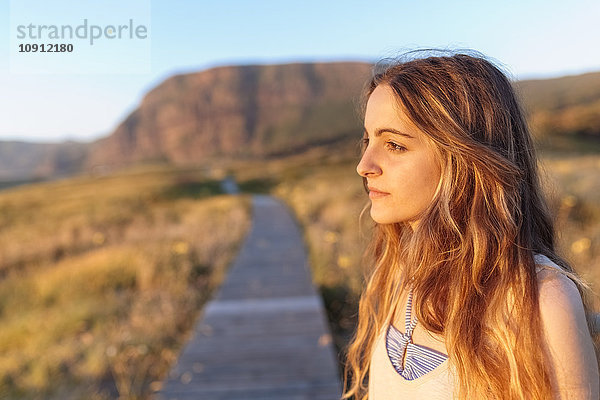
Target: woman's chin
382	219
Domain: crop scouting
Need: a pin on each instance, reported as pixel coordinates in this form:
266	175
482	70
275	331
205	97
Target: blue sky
531	38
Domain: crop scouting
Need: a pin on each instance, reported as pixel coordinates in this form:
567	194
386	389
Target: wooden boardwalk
265	334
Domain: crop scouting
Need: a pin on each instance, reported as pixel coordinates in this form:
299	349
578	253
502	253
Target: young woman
467	298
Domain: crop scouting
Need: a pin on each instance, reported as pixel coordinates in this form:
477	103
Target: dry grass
103	277
573	185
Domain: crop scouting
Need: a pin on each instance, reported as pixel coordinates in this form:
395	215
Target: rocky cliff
239	111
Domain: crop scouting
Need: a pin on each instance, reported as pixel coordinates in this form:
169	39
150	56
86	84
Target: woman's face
399	162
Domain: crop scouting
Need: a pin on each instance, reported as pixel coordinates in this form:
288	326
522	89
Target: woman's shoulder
567	340
543	263
555	286
559	299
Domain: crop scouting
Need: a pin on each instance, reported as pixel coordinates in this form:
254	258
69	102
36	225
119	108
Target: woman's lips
374	194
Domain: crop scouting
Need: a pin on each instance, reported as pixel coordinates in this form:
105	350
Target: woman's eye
395	147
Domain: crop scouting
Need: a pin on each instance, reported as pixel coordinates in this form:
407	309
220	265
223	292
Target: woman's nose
368	165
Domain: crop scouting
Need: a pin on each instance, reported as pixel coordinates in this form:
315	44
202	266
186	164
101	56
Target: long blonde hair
471	259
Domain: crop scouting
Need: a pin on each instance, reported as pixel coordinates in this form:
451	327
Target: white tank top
385	383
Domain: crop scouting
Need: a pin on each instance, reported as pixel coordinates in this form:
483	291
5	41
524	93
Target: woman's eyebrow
379	131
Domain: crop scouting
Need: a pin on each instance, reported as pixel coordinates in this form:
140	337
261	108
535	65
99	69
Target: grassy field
102	278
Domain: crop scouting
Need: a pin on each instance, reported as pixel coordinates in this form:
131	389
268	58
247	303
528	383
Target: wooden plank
265	334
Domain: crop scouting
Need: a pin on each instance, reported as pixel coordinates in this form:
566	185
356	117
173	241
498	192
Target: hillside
24	160
258	111
243	112
568	105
